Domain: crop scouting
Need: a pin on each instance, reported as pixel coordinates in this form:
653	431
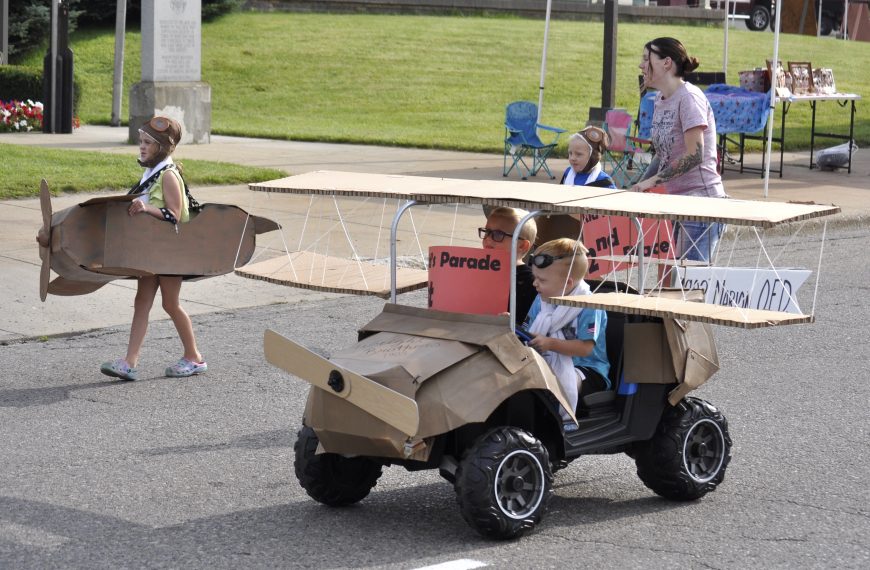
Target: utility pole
118	82
608	72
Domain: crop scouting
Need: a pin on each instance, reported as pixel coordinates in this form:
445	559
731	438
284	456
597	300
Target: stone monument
171	70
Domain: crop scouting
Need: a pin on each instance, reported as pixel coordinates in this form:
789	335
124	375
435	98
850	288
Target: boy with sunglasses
570	339
501	223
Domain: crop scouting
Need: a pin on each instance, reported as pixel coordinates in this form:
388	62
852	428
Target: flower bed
20	116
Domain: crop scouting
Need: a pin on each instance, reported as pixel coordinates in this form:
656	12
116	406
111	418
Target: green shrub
21	83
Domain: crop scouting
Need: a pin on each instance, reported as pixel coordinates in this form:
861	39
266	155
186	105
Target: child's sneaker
184	368
119	369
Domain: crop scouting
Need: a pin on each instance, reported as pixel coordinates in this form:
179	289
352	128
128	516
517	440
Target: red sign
617	236
469	280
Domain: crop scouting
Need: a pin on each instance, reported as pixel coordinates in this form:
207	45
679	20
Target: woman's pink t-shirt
687	108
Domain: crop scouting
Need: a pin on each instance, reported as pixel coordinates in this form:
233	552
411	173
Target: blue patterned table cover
736	110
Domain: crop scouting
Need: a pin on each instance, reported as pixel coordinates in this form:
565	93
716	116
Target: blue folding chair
521	140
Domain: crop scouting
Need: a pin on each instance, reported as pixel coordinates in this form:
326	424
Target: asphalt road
197	473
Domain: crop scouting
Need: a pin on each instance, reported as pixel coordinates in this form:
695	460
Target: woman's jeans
697	241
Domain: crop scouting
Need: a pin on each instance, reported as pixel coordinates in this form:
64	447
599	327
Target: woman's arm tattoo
681	166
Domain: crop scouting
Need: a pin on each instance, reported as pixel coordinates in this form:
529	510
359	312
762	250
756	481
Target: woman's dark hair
672	48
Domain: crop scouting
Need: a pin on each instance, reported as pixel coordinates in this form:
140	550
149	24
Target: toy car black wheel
504	483
330	478
759	18
687	456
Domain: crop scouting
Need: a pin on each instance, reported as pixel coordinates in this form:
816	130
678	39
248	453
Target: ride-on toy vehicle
462	394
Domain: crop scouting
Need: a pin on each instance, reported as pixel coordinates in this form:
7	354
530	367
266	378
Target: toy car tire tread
688	455
504	483
329	478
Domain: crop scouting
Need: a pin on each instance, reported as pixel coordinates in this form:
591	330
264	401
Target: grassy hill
440	82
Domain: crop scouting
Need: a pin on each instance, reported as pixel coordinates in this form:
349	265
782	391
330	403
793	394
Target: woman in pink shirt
684	137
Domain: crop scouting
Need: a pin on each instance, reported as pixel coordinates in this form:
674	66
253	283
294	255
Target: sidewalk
25	316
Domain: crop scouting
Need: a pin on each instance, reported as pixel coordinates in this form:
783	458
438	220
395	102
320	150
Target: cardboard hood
488	331
458	368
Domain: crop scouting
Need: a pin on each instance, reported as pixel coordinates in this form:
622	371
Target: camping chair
521	140
626	158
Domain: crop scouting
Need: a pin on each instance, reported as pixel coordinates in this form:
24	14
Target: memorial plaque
171	40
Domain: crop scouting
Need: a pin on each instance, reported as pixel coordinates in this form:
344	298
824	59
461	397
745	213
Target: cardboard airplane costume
95	242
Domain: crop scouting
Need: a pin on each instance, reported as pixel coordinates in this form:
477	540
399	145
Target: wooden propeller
44	239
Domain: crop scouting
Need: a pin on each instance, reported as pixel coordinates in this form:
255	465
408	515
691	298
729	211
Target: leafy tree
29	24
30	20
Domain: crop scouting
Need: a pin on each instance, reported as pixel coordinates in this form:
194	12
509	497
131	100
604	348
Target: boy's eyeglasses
543	260
496	235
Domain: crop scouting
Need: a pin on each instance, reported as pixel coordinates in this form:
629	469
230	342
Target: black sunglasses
543	260
496	235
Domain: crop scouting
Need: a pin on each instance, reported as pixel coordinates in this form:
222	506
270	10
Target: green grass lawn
439	82
81	171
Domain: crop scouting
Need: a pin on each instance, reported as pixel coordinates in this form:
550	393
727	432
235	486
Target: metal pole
819	20
54	106
845	25
4	32
512	305
776	28
118	83
725	55
544	62
394	230
608	76
638	246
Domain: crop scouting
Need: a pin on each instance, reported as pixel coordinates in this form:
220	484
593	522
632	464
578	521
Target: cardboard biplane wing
553	199
95	242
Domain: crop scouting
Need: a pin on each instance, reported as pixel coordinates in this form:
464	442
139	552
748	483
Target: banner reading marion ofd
469	280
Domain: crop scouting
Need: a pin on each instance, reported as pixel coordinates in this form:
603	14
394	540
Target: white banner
747	288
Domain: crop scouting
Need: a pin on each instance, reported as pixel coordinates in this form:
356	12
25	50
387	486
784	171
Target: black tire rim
519	484
704	450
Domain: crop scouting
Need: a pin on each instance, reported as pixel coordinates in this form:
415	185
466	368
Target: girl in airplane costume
162	194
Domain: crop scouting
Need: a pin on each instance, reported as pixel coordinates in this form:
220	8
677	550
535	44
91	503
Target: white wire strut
356	258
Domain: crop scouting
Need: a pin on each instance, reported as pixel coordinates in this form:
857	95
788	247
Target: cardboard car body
97	241
461	393
460	368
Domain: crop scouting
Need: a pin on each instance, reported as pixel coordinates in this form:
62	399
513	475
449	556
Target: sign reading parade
469	279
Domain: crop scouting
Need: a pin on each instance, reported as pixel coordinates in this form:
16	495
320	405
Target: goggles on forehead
159	124
542	260
593	135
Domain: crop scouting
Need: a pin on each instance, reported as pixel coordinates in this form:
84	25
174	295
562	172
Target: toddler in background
584	155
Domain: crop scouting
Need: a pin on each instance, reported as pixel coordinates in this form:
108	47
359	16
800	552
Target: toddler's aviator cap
597	142
166	131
